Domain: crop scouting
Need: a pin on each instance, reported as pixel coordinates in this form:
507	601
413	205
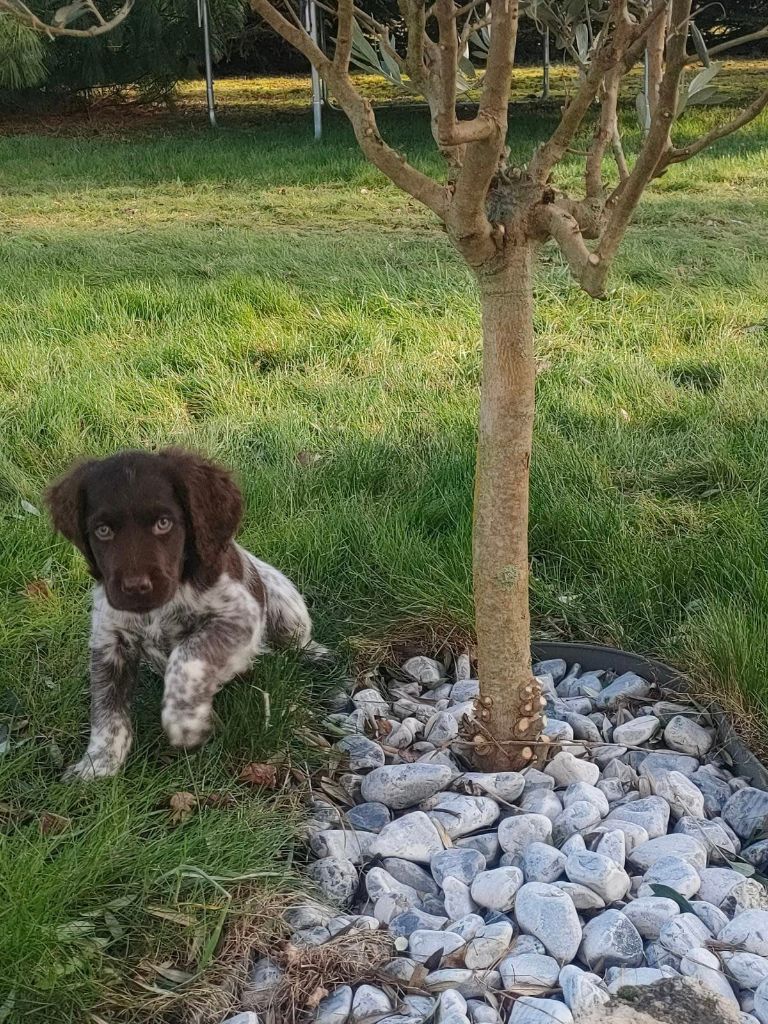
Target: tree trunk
509	708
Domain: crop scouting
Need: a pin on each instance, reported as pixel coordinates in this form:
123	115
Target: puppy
172	589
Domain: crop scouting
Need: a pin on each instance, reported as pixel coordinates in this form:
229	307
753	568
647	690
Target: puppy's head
147	522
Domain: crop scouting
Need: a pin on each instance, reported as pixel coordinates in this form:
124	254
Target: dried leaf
38	590
256	774
307	459
314	997
220	800
174	916
30	508
53	824
182	806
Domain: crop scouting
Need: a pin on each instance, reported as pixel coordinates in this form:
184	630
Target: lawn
275	303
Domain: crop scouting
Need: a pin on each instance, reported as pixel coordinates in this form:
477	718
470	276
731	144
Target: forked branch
60	24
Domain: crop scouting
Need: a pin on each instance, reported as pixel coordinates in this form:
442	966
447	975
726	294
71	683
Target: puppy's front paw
91	766
187	730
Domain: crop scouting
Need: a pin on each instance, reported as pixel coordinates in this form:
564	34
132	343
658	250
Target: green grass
259	296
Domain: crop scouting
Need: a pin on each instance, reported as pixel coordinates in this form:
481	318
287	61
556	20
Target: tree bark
509	709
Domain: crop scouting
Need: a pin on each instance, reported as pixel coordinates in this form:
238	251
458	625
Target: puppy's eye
104	532
163	525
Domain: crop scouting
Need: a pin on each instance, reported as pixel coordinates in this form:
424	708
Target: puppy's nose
137	585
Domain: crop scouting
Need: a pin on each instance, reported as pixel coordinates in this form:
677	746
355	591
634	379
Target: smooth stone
542	863
575	844
598	873
450	1006
652	814
529	1010
579	792
688	737
617	978
524	944
675	873
614	846
412	837
756	854
457	899
710	915
342	844
517	832
362	752
369	817
656	956
471	984
391	905
747	812
637	731
761	1002
582	897
335	1008
582	727
583	992
548	913
496	889
503	786
423	670
612	789
441	728
685	847
610	940
634	835
534	779
403	785
349	923
411	874
335	876
574	706
481	1013
307	915
747	969
716	835
649	913
459	815
400	969
368	1002
488	945
464	690
371	702
684	799
558	732
682	933
467	927
718	883
555	667
565	769
625	687
423	943
704	966
456	863
248	1017
578	818
608	753
529	969
379	882
716	791
486	843
668	761
541	801
404	924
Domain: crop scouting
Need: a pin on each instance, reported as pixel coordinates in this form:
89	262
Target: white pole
310	22
202	20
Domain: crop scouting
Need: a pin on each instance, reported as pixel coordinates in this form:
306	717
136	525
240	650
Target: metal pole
202	20
545	81
310	22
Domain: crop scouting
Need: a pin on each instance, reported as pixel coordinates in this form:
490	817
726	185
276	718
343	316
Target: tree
497	215
63	18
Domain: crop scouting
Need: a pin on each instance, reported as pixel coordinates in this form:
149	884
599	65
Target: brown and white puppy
172	589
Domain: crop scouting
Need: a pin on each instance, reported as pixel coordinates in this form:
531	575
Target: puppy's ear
211	500
65	499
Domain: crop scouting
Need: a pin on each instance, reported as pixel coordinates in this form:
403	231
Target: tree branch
654	48
749	113
19	10
605	133
360	113
343	51
730	44
552	221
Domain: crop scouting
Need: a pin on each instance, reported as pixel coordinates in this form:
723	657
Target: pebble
710	915
761	1002
637	731
496	889
555	667
704	966
470	984
578	792
541	801
749	931
344	844
716	835
503	786
459	815
565	769
517	832
542	863
583	992
625	977
462	864
747	812
369	817
379	882
457	899
649	913
746	969
486	843
675	873
424	943
464	690
336	1007
367	1002
652	814
685	847
716	791
402	785
634	835
614	846
598	873
578	818
582	897
249	1017
488	945
688	737
336	877
412	837
611	940
529	1010
682	933
441	728
361	752
667	761
424	670
548	913
627	686
529	969
371	703
683	797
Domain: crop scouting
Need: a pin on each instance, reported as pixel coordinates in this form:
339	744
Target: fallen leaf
624	415
182	806
30	508
256	774
38	590
314	998
307	459
220	800
53	824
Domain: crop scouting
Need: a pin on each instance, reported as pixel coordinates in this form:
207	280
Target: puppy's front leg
114	669
197	669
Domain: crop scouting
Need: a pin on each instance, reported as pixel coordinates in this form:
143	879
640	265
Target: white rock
598	873
652	814
684	799
688	737
710	915
682	933
614	846
702	964
668	761
685	847
379	882
462	864
504	786
486	843
548	913
412	837
468	926
459	815
368	1001
528	1010
488	946
747	811
583	992
580	791
337	878
471	984
406	923
496	889
761	1002
542	863
565	769
625	687
748	931
716	835
529	969
423	943
403	785
717	883
541	801
673	872
649	913
624	977
411	874
249	1017
441	728
457	899
579	817
611	940
634	835
637	731
424	670
481	1013
747	969
344	844
582	897
335	1008
517	832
